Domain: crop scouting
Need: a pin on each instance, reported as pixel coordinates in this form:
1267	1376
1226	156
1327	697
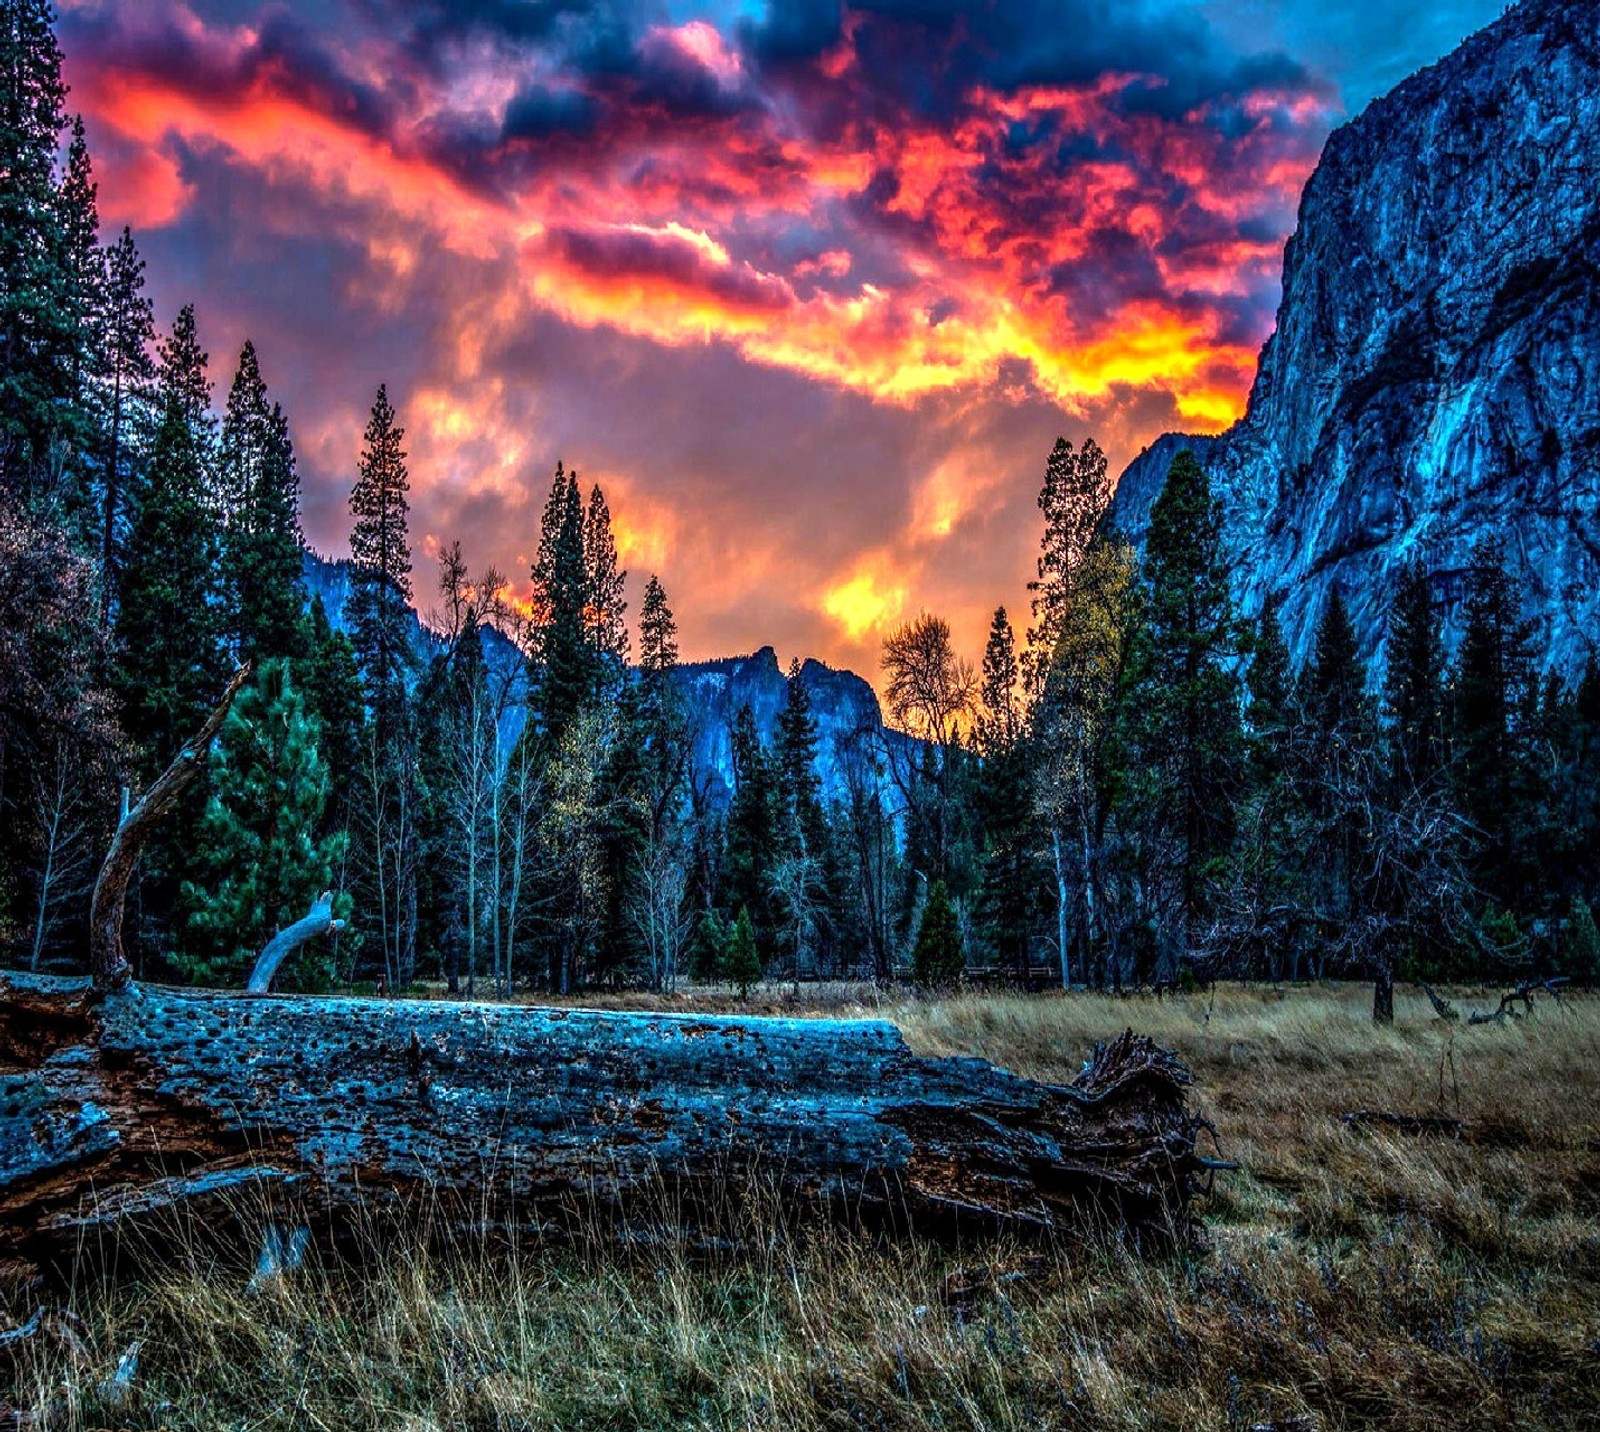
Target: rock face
850	729
1435	374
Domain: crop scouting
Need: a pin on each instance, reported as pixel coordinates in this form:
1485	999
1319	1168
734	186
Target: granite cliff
1434	376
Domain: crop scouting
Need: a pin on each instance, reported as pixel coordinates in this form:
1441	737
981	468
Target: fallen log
137	1104
1405	1123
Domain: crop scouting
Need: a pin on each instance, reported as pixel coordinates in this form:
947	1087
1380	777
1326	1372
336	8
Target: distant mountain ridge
845	706
1434	377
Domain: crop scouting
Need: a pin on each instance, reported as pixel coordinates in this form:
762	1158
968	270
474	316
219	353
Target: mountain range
851	735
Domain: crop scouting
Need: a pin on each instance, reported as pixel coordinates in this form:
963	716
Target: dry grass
1346	1279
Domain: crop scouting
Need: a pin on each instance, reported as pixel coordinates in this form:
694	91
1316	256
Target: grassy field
1343	1278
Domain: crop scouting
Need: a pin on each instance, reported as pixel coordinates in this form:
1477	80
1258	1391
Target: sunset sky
810	290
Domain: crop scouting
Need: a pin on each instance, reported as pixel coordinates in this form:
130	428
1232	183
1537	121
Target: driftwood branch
144	1103
107	963
318	922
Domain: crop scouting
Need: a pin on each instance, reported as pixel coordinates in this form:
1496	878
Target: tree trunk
148	1102
1061	907
106	960
1383	994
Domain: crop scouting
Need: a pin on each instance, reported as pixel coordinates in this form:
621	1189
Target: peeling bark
148	1101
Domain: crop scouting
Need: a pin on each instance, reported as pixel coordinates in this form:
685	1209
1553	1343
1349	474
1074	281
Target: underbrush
1343	1277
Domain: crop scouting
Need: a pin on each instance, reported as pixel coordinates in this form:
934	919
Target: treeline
1161	796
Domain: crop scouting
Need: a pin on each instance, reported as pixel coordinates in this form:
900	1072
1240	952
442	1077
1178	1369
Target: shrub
742	965
937	958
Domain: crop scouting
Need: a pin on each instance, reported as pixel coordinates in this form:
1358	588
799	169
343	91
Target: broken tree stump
148	1101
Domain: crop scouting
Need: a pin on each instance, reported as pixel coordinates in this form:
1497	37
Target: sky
810	289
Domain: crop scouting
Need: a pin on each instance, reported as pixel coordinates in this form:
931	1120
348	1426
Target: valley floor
1343	1278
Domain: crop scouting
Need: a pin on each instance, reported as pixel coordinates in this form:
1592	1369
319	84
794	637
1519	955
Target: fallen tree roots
148	1101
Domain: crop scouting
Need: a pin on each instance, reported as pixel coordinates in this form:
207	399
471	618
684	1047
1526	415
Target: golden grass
1348	1279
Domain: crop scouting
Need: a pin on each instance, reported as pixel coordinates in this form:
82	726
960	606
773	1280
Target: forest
1137	790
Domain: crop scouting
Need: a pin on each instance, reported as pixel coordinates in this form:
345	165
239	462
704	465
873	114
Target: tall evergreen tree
1335	675
262	858
186	388
1005	802
1185	709
658	631
567	664
128	372
1076	491
330	677
39	319
607	607
79	221
1414	681
380	559
753	832
261	545
937	958
1495	700
169	662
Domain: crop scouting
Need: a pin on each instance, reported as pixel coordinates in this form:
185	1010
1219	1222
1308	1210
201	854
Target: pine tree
185	386
261	549
261	857
331	680
1414	682
1076	491
1334	677
1005	803
380	558
753	830
742	963
567	670
708	953
658	631
129	371
79	222
169	663
937	960
607	608
1494	698
1269	679
1185	707
39	319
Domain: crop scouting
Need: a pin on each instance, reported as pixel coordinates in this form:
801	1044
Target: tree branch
318	922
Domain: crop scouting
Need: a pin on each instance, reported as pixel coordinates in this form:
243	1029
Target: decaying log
147	1101
106	960
319	922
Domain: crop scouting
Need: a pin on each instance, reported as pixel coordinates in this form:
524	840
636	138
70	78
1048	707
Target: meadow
1342	1277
